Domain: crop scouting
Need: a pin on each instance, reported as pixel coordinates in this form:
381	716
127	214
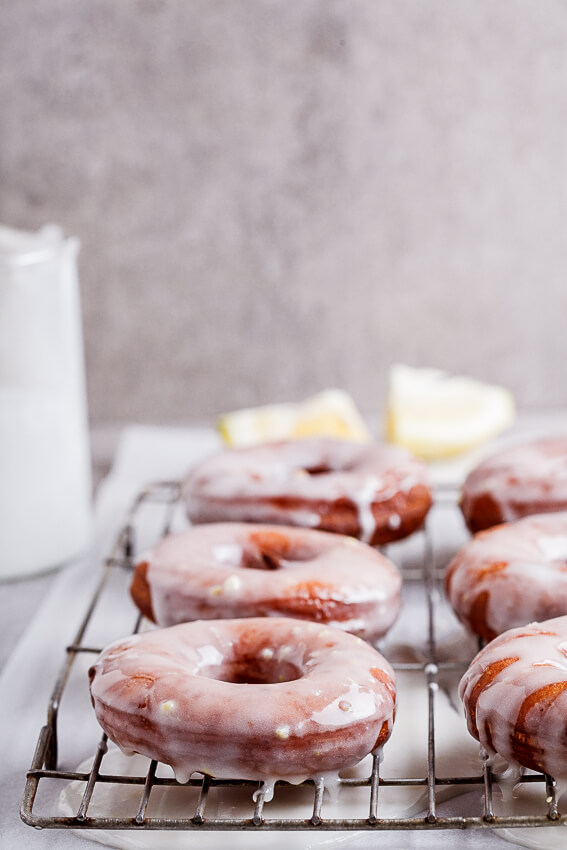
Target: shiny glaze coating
517	482
510	575
378	493
515	697
256	698
225	570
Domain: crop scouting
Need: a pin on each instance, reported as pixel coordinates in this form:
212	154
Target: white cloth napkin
146	454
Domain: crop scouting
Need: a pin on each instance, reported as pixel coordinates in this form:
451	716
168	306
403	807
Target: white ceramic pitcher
45	472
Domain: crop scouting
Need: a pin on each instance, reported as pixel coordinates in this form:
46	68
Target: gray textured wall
274	196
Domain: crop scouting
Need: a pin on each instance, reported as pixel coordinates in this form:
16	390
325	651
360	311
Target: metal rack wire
45	769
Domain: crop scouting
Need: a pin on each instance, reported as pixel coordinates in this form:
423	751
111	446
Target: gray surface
274	197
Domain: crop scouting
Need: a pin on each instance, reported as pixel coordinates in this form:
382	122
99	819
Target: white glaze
522	569
404	755
540	650
214	571
363	501
522	480
292	729
272	484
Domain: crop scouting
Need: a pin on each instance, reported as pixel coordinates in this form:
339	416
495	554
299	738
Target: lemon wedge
331	413
435	415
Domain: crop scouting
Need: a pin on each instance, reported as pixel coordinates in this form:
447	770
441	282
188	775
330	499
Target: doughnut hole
251	660
253	670
326	468
322	469
268	549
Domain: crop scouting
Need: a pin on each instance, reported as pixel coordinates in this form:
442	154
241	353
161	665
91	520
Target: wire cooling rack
155	512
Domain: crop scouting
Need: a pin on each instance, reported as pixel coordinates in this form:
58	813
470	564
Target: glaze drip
225	570
334	485
156	694
515	697
511	574
517	482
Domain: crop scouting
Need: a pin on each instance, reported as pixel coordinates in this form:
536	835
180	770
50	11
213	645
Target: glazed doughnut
511	575
226	570
527	479
515	697
262	699
377	493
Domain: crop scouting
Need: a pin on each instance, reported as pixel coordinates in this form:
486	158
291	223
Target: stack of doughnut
227	570
515	697
262	699
267	682
505	585
514	570
377	493
235	563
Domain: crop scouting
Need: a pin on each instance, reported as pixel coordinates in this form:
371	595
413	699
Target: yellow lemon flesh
435	415
331	413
